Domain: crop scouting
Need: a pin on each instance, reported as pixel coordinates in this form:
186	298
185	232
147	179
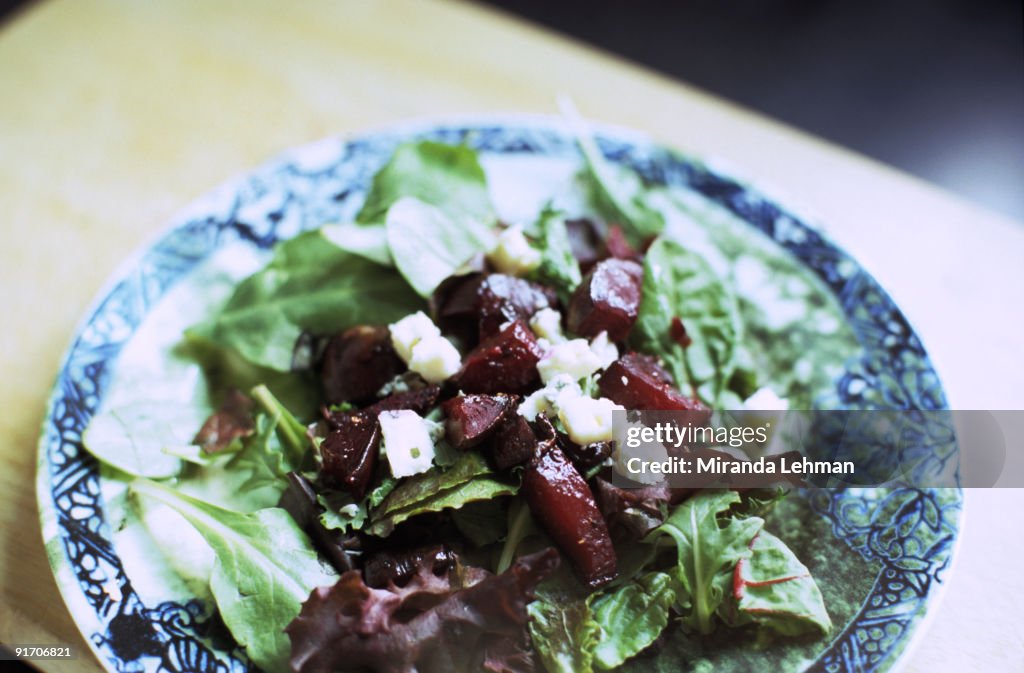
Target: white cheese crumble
419	343
513	254
407	442
588	420
409	331
435	359
547	324
606	351
574	358
547	400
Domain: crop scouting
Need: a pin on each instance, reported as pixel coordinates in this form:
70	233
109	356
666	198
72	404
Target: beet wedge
470	419
562	502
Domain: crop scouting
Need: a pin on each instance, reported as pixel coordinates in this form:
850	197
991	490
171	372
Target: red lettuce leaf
432	624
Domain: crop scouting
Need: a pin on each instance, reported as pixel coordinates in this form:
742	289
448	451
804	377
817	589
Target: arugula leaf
679	284
631	618
564	635
446	176
470	479
707	553
133	437
310	284
774	589
265	568
428	245
558	267
618	193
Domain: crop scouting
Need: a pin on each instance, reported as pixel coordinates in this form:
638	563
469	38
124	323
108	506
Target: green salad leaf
366	240
428	245
310	284
448	177
707	553
277	447
469	479
564	635
265	568
558	267
679	284
133	437
631	617
617	193
774	589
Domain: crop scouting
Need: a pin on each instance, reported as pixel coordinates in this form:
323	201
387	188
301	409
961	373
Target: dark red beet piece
232	420
490	301
388	567
506	362
562	502
607	300
617	245
349	454
677	330
357	363
586	456
473	418
638	382
514	442
421	401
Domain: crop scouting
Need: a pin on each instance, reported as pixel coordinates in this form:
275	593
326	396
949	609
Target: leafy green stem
519	518
291	433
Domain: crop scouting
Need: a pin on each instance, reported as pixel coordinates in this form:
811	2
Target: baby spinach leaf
564	635
558	267
428	244
310	284
470	479
707	553
774	589
631	618
132	437
366	240
618	193
265	568
446	176
482	522
679	284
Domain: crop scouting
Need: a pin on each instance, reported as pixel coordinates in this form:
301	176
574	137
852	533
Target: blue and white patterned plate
906	537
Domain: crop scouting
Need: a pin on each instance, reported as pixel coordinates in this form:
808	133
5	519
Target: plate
901	542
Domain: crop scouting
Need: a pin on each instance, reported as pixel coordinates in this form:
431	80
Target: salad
411	420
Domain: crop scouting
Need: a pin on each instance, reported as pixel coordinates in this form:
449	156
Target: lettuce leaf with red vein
429	625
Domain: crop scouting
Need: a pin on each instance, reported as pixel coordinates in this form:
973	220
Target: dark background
934	87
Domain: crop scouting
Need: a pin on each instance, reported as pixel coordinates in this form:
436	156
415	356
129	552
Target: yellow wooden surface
115	114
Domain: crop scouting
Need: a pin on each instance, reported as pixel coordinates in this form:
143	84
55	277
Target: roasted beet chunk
357	363
638	382
349	453
489	301
421	401
607	300
473	418
388	567
586	456
506	362
618	247
513	443
562	502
